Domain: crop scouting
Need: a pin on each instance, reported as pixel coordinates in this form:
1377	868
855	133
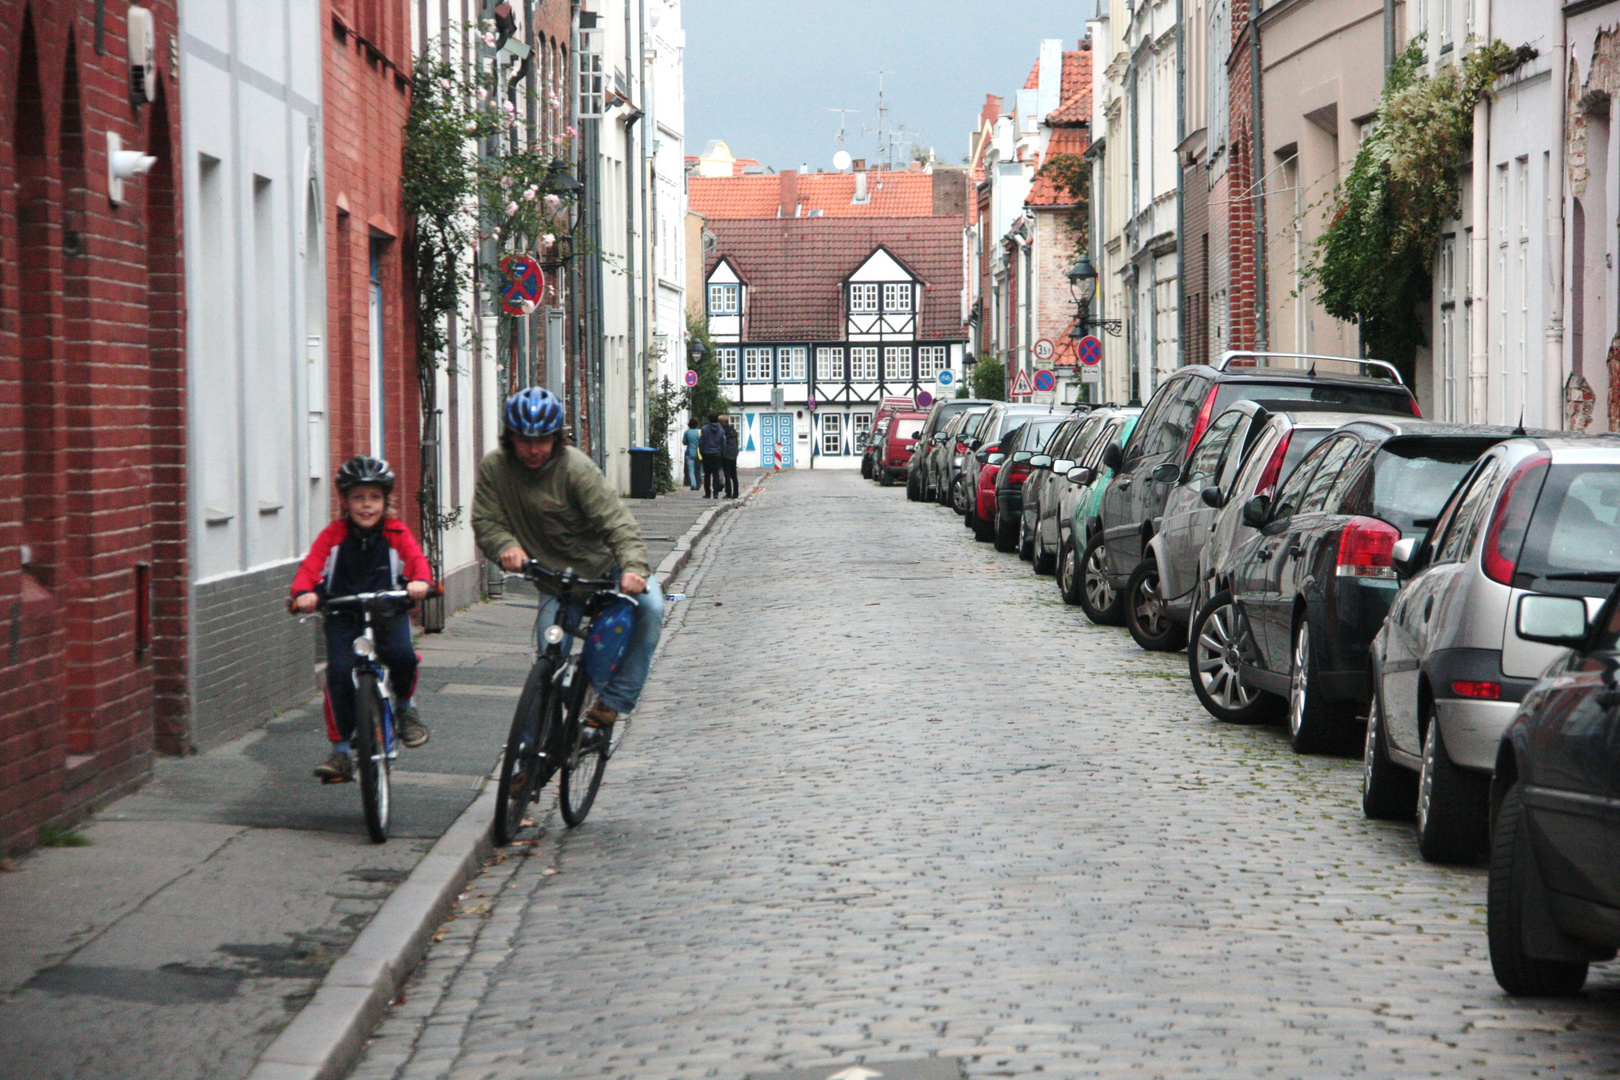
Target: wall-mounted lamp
123	165
142	56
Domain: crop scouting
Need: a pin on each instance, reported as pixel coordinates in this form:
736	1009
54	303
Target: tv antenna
842	114
885	137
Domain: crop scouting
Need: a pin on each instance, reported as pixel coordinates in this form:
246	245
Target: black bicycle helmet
365	469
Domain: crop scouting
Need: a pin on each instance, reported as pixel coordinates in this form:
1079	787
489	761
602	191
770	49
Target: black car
1554	893
919	481
1314	580
1181	409
1012	483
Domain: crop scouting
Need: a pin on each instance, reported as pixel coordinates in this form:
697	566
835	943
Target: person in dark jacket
733	447
712	443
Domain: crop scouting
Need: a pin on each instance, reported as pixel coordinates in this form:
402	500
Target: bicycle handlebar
566	579
360	600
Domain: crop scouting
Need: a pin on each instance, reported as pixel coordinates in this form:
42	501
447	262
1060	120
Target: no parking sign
525	281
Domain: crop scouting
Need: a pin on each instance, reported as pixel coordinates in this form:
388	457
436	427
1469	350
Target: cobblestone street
888	798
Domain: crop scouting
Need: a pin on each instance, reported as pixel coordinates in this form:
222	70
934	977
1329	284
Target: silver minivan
1533	516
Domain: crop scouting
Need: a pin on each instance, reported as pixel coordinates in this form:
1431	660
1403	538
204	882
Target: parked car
867	444
957	455
1554	886
946	445
1315	577
919	485
1218	644
1008	504
1043	491
1182	408
1001	418
1085	583
984	494
1449	668
893	449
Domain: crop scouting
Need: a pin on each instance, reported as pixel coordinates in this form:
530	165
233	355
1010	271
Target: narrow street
887	798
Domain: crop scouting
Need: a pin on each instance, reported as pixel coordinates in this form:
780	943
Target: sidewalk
209	906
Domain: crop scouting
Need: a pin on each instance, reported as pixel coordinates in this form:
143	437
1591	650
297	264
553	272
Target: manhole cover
915	1069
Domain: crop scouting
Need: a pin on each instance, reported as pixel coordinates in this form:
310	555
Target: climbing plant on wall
1372	264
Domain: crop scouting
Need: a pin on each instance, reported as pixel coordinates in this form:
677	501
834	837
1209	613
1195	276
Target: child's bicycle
548	731
374	742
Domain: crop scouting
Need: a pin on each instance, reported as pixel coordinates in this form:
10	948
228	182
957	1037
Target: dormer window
863	299
897	296
725	299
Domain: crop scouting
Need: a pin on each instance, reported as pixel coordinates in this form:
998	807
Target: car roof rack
1342	366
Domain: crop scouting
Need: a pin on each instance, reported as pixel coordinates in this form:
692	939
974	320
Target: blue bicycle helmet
607	641
534	412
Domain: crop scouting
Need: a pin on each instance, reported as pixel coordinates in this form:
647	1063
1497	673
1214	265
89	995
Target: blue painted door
775	429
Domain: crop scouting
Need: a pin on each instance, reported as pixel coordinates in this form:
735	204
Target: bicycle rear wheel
370	755
523	770
582	769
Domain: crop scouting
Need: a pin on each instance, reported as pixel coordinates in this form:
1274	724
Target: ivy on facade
704	399
1071	175
1372	264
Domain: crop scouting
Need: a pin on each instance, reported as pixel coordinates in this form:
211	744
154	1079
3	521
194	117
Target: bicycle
548	735
373	742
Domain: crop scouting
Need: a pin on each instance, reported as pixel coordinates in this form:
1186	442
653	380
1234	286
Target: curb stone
326	1037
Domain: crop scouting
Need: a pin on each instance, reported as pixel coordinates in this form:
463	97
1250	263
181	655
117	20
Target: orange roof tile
1065	140
889	194
1075	106
1034	80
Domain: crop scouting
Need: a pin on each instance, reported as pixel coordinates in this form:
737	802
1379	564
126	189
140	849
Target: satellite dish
842	161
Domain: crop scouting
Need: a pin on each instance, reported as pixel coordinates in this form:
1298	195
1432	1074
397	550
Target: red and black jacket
405	559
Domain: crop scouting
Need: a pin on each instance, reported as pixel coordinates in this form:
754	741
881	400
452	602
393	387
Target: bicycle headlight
363	646
553	635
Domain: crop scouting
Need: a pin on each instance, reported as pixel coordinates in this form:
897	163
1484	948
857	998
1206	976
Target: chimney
860	183
992	109
787	188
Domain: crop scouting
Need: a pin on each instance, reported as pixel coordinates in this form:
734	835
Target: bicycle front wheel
371	756
523	770
582	769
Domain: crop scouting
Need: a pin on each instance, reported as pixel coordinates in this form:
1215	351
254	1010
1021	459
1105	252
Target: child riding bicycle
363	551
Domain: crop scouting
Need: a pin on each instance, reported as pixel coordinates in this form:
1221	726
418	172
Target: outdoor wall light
123	165
1083	287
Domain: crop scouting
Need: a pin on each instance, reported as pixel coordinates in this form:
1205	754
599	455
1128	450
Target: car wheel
1513	870
1041	560
942	493
1098	599
1311	722
1453	804
1388	792
1217	647
984	529
1068	573
913	486
1026	539
1146	616
884	478
969	509
1006	533
866	468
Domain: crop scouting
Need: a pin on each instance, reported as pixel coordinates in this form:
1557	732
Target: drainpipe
1262	332
1181	190
1552	376
632	162
1480	245
1389	35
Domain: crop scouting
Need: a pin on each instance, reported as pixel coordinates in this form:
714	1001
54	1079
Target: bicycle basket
608	640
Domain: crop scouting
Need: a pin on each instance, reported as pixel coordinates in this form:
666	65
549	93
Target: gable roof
1075	97
1065	140
796	267
890	193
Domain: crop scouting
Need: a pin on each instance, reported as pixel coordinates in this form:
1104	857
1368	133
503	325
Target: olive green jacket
563	514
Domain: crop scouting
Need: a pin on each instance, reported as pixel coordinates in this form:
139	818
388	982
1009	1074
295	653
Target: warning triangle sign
1021	387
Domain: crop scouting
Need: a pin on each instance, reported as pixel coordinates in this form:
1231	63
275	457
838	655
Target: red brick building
92	431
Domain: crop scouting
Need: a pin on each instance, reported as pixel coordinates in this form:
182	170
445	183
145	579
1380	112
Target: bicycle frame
367	663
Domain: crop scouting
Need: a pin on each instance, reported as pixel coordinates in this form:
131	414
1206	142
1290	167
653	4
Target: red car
893	453
983	521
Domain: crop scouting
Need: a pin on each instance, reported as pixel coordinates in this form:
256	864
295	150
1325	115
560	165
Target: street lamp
694	352
1083	287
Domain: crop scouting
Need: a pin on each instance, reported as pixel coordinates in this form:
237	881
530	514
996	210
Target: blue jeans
624	689
394	648
693	475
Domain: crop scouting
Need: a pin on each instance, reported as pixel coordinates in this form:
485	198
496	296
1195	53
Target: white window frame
861	426
832	433
757	364
791	361
897	363
863	363
728	363
863	298
897	297
931	360
829	364
725	299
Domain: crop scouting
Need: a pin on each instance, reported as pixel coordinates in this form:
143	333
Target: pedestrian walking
712	445
690	438
733	447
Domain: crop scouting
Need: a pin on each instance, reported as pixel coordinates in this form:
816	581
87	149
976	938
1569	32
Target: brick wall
241	627
1056	249
1195	265
1241	250
91	419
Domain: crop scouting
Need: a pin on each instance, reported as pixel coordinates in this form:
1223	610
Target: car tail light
1505	534
1417	412
1366	548
1203	418
1485	691
961	448
1268	479
1018	474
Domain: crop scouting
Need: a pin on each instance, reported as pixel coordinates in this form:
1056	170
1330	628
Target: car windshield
1412	478
907	425
1376	398
1573	543
1037	432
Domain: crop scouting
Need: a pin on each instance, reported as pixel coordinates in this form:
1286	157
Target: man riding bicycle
539	498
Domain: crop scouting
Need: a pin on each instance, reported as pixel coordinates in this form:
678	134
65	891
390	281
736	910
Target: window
790	363
724	299
1289	496
897	297
1212	447
1327	475
1466	515
863	363
757	363
931	360
862	422
897	363
863	299
832	435
829	365
728	363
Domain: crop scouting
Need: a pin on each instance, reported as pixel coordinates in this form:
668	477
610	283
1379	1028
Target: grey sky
762	74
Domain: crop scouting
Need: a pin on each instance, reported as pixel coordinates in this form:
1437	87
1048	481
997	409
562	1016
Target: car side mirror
1062	465
1113	456
1167	473
1403	556
983	457
1041	461
995	459
1255	511
973	444
1212	497
1082	476
1021	456
1553	620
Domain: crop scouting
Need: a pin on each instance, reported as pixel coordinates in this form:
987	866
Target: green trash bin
643	472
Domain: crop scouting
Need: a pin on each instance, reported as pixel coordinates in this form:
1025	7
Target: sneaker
412	732
600	716
337	769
